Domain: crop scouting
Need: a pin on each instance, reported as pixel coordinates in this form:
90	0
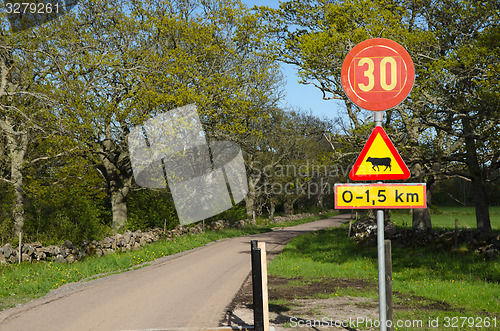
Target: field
450	287
444	217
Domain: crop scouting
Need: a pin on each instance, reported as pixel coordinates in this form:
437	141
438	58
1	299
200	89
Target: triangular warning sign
379	160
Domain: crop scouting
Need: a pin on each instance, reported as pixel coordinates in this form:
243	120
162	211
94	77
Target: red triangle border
392	149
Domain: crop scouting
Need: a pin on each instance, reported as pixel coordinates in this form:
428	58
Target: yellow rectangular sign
380	196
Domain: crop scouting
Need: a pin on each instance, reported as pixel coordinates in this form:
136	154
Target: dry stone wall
68	252
365	232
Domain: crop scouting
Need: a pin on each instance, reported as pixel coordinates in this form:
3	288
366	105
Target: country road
187	290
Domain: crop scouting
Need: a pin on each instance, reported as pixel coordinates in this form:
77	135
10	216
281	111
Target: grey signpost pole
378	115
360	85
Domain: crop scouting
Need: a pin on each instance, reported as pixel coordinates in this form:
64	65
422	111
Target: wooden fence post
265	297
258	316
259	286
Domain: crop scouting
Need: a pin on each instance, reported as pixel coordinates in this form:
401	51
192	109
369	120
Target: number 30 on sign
387	70
377	74
380	196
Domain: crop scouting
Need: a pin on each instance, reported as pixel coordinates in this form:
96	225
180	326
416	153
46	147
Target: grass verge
27	281
427	284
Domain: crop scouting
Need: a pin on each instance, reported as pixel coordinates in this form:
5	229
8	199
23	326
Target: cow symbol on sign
382	153
380	161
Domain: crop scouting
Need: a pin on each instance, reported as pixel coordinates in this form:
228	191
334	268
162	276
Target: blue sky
305	97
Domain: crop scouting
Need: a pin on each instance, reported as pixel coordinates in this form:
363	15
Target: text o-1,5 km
380	196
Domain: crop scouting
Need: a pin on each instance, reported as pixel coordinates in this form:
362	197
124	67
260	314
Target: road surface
186	290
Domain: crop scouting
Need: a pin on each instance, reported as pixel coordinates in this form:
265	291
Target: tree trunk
250	198
421	217
119	182
320	202
18	210
250	204
481	205
387	216
288	207
270	209
115	168
17	144
258	208
477	175
119	207
320	198
119	187
17	180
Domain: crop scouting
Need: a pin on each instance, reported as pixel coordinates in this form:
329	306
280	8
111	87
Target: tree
25	110
264	152
288	163
463	89
119	65
316	36
65	197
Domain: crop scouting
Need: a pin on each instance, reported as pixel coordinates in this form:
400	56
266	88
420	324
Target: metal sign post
378	116
381	271
378	74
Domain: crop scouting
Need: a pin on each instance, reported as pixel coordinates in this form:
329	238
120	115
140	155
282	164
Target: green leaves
85	79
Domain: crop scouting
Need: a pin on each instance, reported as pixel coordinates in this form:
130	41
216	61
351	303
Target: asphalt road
186	290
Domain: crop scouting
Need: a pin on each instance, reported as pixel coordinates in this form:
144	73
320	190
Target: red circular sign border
383	105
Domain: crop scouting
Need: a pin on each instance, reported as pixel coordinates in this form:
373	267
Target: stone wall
67	252
365	232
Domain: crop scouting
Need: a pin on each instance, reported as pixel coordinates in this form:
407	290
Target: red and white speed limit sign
377	74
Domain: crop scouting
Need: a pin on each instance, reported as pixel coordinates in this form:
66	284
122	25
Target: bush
6	221
151	209
75	217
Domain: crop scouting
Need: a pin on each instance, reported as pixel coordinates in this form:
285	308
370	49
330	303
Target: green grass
324	254
432	283
444	217
22	283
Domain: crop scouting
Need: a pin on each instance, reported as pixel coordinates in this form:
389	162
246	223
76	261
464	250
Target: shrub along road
186	290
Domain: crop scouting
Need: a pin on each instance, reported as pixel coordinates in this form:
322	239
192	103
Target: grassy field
27	281
444	217
427	284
